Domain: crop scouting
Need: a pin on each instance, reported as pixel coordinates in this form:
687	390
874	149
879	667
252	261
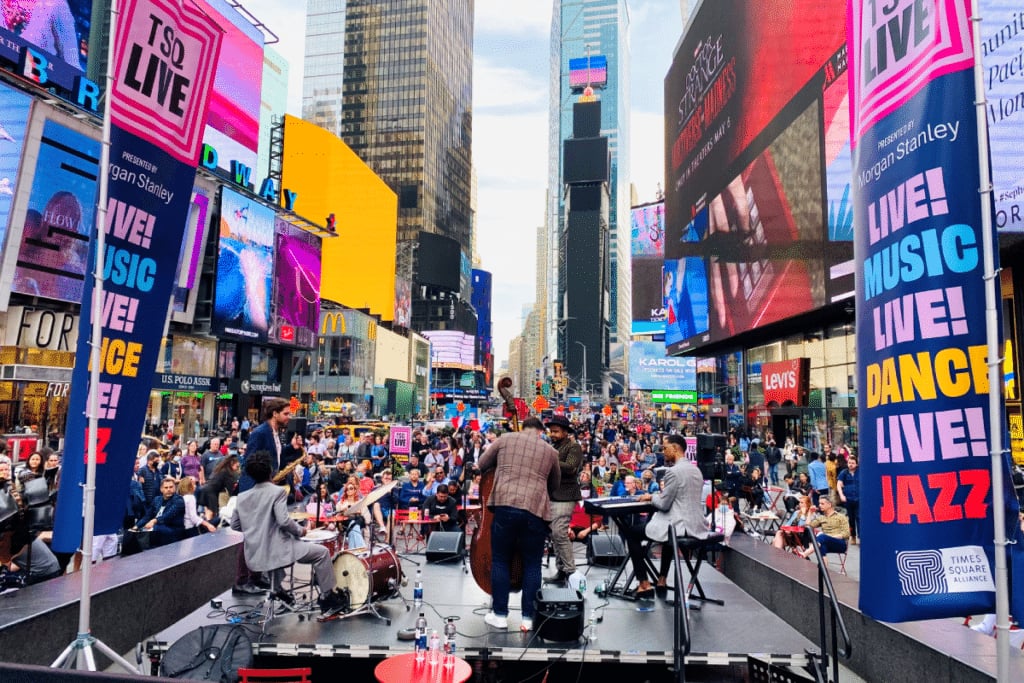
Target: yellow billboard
358	267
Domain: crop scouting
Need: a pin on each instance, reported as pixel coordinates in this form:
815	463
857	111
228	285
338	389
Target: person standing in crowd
679	504
191	464
819	478
526	474
773	456
210	459
849	495
563	500
149	477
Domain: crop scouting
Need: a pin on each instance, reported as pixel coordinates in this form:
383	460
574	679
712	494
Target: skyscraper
582	28
405	71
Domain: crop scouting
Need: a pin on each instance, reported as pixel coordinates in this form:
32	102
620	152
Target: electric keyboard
616	506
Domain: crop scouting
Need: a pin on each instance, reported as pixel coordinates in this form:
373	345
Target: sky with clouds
510	124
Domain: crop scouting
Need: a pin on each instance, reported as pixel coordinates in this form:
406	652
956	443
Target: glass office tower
580	28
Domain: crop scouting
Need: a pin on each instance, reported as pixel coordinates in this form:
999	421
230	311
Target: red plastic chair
297	675
410	532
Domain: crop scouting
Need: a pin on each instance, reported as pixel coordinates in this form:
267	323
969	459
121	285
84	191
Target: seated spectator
411	494
443	511
415	464
166	516
791	534
355	530
43	565
438	481
753	490
835	529
582	523
194	522
647	482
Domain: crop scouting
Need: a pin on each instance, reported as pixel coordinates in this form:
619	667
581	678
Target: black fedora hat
561	421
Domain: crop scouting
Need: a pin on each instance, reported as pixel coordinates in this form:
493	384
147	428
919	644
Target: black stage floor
628	632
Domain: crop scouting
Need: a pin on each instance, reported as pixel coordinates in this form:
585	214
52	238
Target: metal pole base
78	655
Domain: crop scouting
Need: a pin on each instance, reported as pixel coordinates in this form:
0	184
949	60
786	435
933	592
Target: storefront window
266	364
226	364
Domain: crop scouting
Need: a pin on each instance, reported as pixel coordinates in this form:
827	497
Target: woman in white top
47	24
187	491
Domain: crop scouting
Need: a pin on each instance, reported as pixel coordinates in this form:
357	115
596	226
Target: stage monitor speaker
559	614
446	545
297	425
605	550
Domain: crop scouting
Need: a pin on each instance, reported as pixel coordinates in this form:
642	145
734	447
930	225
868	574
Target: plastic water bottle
435	648
449	644
417	590
583	585
592	630
421	637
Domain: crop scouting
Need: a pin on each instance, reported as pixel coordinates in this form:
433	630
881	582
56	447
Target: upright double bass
480	547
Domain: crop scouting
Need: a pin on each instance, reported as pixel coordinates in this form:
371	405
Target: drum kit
367	575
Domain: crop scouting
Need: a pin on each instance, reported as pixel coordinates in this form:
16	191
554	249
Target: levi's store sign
786	382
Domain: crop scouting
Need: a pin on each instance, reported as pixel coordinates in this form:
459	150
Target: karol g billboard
650	368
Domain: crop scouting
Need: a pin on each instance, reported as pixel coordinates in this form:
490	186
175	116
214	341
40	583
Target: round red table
404	668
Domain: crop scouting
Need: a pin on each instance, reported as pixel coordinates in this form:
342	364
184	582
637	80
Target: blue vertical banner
926	501
164	60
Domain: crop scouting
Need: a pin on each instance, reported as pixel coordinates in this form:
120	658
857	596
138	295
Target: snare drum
368	576
325	537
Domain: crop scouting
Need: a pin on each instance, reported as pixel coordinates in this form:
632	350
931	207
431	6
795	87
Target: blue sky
510	123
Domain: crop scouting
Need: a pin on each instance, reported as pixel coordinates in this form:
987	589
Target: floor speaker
606	550
445	545
559	615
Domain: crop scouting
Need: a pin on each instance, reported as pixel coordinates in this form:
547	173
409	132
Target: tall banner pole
162	56
995	383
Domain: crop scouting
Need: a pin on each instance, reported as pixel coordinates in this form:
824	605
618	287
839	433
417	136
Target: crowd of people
182	487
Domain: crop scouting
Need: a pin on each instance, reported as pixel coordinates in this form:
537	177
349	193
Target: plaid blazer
526	474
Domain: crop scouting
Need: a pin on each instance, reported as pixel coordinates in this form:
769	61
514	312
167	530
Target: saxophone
282	475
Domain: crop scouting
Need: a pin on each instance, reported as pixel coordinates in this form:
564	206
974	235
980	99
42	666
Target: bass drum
367	576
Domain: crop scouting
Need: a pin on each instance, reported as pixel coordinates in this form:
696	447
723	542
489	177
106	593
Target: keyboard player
679	503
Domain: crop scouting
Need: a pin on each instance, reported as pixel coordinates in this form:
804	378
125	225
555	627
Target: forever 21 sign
41	329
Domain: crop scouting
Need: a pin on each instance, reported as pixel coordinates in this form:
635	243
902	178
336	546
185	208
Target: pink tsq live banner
164	61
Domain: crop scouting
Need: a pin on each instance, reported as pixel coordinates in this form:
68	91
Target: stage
635	634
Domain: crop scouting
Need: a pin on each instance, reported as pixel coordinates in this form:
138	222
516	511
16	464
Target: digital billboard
190	258
584	71
296	286
438	261
58	28
450	346
14	114
1002	35
54	252
241	305
233	121
331	179
403	302
650	368
757	221
648	258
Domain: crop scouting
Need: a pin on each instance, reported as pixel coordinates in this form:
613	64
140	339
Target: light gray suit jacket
271	538
679	503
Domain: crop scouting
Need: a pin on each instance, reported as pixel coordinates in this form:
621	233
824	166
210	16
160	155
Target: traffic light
537	388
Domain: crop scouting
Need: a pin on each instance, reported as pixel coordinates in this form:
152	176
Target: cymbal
379	492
